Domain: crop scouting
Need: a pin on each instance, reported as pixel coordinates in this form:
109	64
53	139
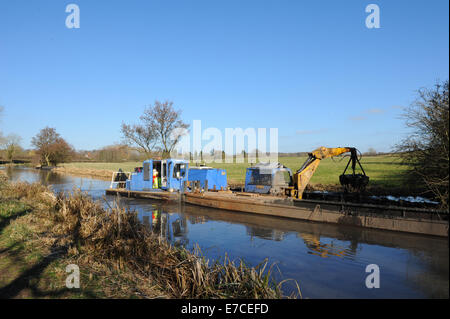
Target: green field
384	171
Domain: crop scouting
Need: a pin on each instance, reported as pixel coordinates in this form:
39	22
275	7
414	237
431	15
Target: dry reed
115	237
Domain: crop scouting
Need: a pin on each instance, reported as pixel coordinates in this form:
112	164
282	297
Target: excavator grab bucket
354	182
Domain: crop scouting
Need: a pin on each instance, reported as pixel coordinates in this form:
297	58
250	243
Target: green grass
384	171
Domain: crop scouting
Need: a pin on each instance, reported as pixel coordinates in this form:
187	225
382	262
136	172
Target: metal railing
119	184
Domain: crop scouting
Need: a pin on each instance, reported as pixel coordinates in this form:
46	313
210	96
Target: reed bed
115	239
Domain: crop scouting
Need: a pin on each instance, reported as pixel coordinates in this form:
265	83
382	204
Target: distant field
384	171
125	166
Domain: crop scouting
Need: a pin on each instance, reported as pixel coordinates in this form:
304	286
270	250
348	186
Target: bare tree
426	150
51	147
142	136
167	124
161	129
11	144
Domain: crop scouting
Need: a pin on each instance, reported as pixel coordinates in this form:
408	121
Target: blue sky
309	68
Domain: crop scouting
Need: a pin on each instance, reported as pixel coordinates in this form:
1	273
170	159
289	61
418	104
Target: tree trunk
47	160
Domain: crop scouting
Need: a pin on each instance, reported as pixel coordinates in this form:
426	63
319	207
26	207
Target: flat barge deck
393	218
158	195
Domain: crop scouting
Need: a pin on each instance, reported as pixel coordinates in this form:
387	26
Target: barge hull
322	214
368	216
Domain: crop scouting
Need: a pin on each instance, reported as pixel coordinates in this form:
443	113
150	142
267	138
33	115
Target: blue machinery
158	175
267	178
173	175
208	178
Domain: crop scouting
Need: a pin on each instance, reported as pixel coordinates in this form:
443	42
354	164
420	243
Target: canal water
327	261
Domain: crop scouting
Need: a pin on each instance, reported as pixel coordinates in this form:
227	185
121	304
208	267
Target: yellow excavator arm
304	174
326	152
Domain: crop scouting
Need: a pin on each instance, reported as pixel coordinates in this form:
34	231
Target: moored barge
173	180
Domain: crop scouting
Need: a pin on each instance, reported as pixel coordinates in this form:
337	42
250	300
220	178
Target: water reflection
169	226
328	261
264	233
57	182
325	250
30	175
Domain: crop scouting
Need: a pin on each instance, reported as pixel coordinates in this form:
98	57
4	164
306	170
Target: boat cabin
159	175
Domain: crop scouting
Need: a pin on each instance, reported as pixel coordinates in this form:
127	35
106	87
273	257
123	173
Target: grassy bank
385	172
40	234
79	169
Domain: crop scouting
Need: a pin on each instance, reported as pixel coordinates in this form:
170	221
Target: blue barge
170	175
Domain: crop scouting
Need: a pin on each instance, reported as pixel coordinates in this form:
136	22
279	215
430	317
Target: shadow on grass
5	221
385	163
30	278
10	248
